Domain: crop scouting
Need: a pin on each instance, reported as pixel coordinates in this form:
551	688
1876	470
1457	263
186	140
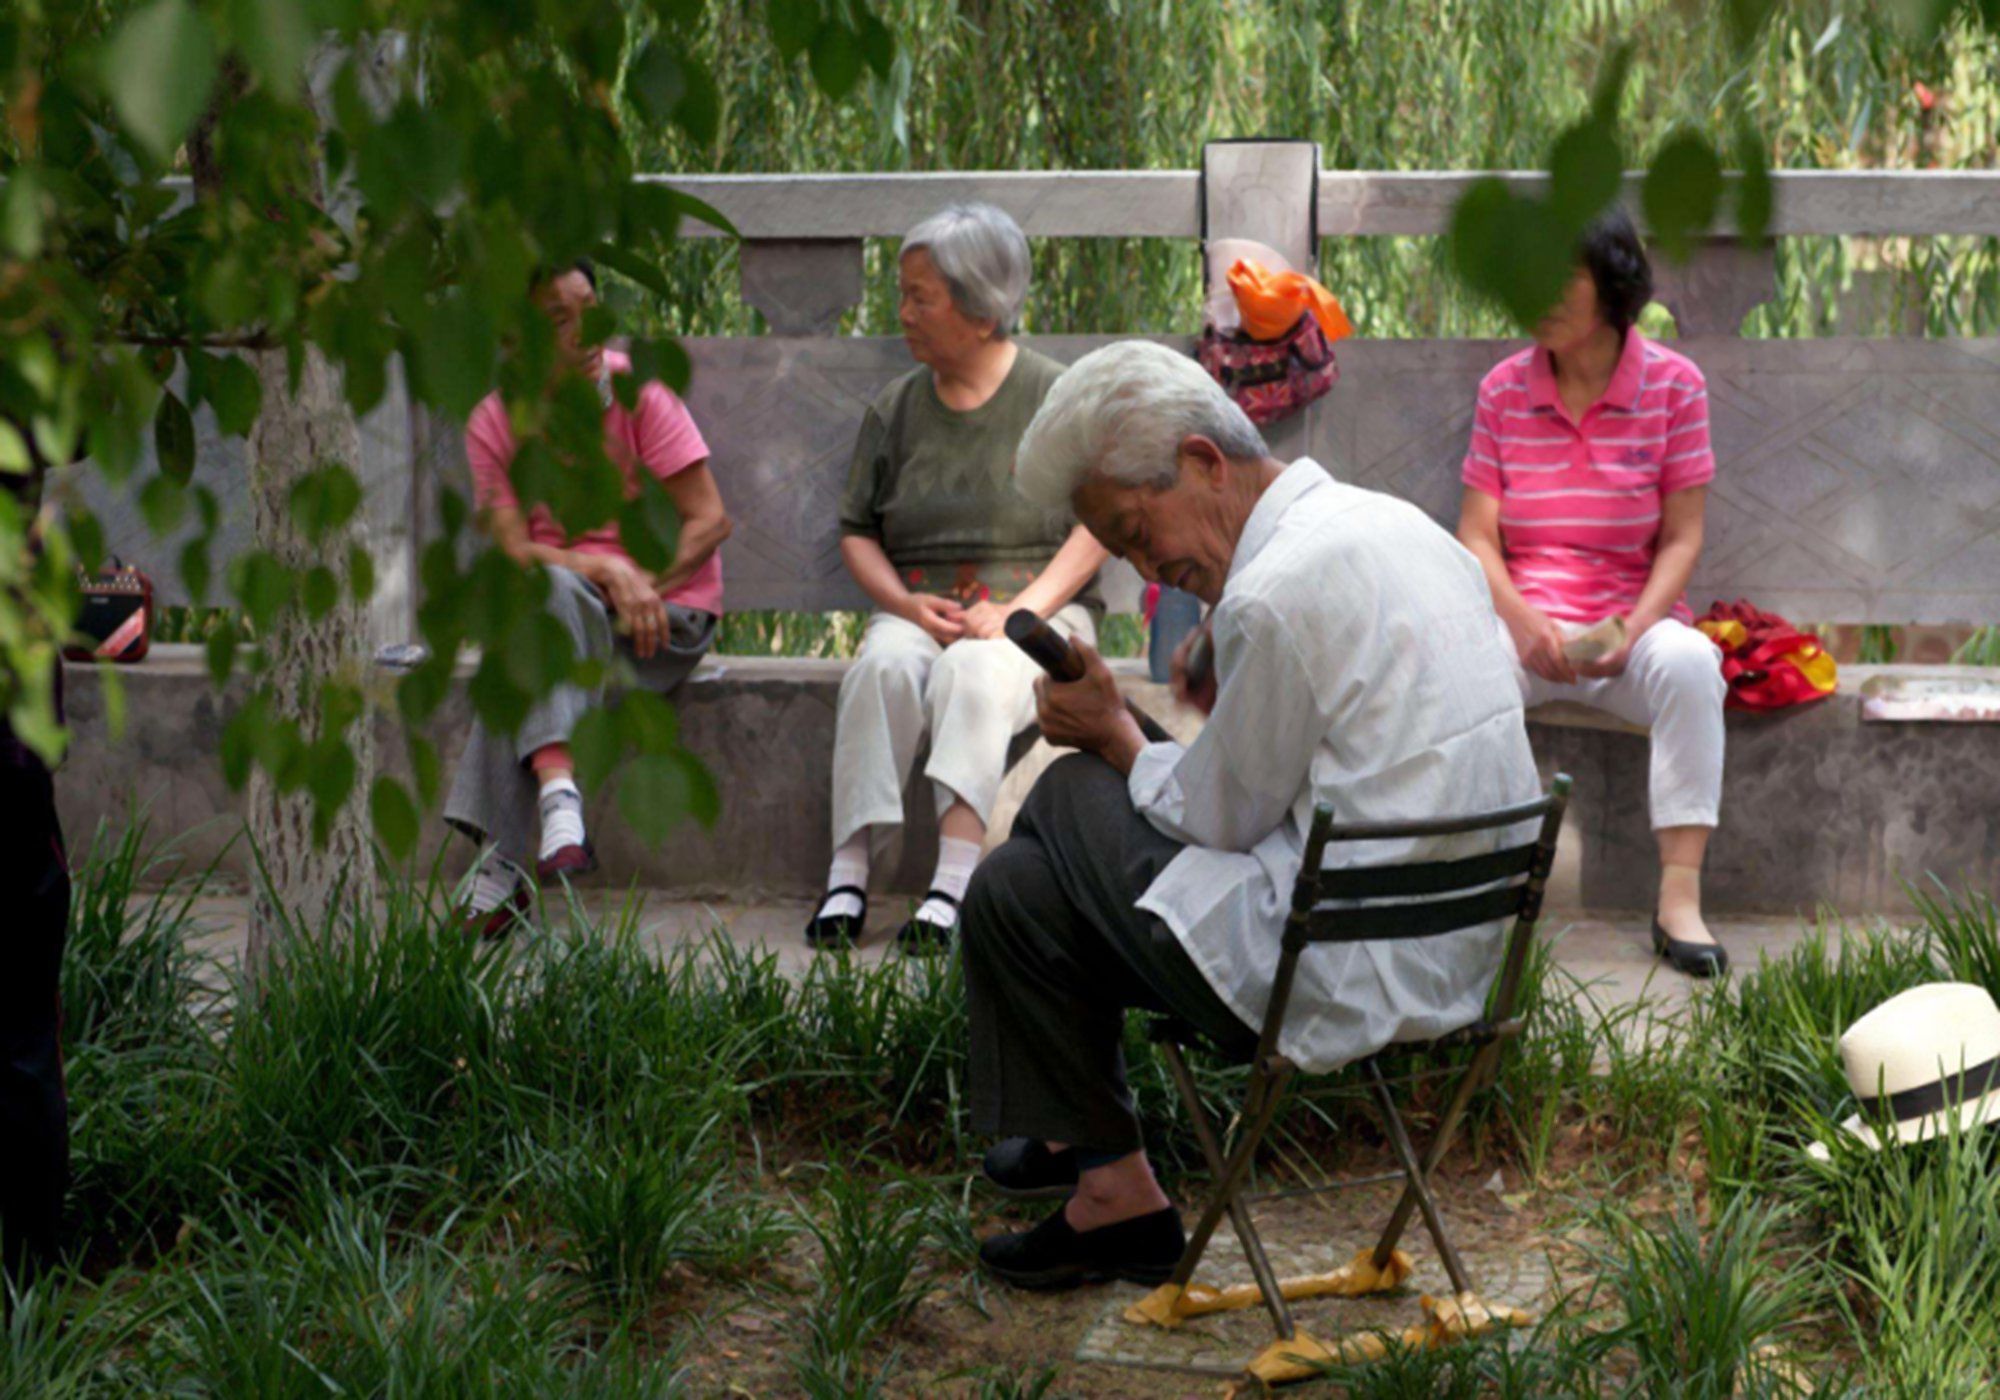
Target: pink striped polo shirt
658	434
1580	501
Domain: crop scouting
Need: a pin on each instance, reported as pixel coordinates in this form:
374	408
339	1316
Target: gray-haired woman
933	531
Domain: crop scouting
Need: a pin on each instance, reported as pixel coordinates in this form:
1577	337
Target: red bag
116	623
1271	379
1769	664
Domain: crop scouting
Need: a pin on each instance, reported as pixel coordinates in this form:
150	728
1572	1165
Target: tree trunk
301	880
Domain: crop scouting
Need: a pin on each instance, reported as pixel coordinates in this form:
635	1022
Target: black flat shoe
1141	1250
1026	1170
921	936
838	930
1694	959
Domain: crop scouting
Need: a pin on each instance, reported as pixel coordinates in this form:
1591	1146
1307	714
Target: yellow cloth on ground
1169	1305
1446	1320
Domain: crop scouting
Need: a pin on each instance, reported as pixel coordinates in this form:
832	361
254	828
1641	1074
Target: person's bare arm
865	558
628	588
1080	557
704	523
1682	518
1536	635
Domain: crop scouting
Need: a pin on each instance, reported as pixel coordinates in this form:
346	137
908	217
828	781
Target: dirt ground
1519	1246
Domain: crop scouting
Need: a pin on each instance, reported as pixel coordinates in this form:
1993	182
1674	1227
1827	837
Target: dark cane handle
1044	645
1050	652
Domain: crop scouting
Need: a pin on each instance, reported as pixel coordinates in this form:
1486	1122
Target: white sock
850	867
561	805
956	861
494	881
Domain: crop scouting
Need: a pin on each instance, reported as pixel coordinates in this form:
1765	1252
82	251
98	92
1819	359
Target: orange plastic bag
1272	302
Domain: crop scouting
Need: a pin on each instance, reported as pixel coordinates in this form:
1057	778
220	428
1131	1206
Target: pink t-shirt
658	431
1580	501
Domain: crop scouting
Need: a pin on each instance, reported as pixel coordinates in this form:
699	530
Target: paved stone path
1607	955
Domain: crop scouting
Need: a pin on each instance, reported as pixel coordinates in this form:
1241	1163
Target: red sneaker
567	862
500	920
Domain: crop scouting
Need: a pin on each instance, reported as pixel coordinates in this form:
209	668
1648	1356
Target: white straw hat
1923	1058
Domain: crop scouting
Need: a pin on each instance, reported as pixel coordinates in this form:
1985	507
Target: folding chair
1435	897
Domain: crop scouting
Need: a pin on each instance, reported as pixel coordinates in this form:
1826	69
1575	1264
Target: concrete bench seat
1818	806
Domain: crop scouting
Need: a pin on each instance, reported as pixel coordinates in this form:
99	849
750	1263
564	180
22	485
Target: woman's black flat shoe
838	930
1694	959
1026	1170
1141	1250
921	936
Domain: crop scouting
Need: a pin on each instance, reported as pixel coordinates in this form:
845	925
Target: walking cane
1047	649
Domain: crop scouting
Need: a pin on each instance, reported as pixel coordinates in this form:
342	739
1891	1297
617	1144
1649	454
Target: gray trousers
493	792
1056	950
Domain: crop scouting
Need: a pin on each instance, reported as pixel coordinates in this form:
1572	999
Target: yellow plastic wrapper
1168	1306
1446	1320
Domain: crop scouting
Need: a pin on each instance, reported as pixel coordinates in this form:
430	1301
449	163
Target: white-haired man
1357	663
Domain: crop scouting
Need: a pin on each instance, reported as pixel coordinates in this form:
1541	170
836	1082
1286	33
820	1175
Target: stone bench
1819	806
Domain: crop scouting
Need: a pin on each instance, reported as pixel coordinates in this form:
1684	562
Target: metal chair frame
1505	883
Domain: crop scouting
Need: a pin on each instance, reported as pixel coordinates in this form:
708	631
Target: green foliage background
1415	85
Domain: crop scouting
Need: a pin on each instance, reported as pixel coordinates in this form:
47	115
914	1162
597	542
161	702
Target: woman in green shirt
933	531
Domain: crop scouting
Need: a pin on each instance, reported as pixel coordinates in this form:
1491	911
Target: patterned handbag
1271	379
117	616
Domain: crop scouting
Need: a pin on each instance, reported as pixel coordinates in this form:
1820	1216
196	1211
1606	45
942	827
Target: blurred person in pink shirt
517	796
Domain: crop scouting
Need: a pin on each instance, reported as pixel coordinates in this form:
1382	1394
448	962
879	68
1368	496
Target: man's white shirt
1359	665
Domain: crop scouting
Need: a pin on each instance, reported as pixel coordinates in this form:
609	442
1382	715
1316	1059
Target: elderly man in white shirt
1357	663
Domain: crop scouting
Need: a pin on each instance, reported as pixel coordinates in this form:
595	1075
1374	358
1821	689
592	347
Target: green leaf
794	23
1753	186
240	735
233	392
173	437
654	794
273	36
663	360
1516	251
220	649
648	722
158	69
1746	21
595	745
649	526
836	60
455	349
319	591
21	214
13	450
700	112
163	502
1586	170
360	574
394	816
425	767
329	778
195	569
1682	191
878	46
263	586
656	83
324	500
86	537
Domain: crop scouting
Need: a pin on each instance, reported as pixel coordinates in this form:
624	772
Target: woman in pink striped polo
1584	490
